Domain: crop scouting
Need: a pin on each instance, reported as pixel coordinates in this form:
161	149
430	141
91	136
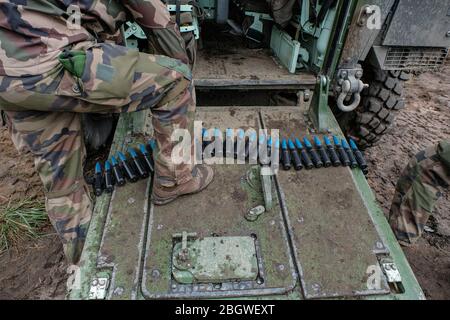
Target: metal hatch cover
219	211
214	260
335	241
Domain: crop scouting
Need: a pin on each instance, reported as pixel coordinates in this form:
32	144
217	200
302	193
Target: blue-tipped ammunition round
121	156
307	143
291	144
336	140
143	149
152	144
317	142
114	161
345	144
353	145
98	168
132	153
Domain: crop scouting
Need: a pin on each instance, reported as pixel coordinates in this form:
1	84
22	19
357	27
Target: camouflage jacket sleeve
163	34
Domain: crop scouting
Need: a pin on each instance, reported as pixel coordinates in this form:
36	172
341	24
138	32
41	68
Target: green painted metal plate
124	231
215	260
120	239
220	211
121	246
334	237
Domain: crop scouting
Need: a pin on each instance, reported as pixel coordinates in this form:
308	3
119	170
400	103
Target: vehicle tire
380	105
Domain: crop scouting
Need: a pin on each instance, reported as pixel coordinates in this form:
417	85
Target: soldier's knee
178	98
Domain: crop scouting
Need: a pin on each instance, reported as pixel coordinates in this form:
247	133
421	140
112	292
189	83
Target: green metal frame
88	265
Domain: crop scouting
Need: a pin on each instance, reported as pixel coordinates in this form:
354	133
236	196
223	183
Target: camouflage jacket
33	33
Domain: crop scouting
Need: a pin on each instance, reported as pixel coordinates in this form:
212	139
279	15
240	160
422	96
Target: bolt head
156	273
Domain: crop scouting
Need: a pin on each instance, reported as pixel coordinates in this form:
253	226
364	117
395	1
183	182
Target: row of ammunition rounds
327	154
119	170
293	152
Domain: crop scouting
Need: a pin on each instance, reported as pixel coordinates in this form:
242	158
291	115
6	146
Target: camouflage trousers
44	119
417	192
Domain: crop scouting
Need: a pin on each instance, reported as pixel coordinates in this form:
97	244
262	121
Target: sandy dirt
37	270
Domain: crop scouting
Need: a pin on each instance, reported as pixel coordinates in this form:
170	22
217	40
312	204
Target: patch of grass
21	220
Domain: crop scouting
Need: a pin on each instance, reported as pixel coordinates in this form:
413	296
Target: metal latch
266	183
254	213
183	255
99	288
390	270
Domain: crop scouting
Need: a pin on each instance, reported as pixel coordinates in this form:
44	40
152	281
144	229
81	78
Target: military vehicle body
322	234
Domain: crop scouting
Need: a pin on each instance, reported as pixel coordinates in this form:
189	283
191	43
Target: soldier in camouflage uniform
417	192
52	70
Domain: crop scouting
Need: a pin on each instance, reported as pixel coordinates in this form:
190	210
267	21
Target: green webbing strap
74	62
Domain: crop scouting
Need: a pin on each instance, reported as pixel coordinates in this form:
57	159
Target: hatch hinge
99	288
391	271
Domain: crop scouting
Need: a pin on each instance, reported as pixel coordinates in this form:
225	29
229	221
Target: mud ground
37	269
424	123
33	269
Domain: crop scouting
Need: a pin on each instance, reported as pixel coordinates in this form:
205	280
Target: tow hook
349	87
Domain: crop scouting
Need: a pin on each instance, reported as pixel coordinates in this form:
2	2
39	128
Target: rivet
75	88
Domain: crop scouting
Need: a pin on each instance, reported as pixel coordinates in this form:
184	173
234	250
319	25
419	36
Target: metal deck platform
249	69
318	241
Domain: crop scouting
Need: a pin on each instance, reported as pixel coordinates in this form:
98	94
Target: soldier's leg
416	195
117	80
174	111
165	85
55	140
158	82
